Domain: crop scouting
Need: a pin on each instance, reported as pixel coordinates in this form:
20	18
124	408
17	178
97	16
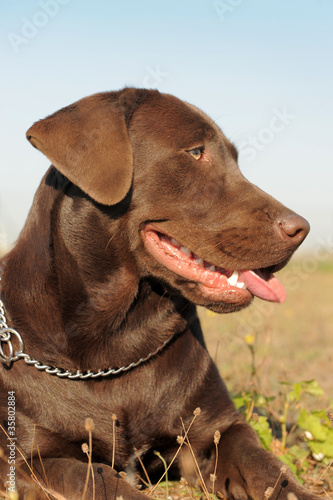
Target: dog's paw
247	471
232	486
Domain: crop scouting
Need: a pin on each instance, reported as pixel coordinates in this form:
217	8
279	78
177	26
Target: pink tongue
265	288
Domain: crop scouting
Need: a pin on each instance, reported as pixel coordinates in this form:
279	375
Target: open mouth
220	284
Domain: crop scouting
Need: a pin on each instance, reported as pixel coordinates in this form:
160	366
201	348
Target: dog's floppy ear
88	143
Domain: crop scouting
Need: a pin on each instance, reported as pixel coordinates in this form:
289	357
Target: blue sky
261	69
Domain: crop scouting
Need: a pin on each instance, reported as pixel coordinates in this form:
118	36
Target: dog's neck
108	319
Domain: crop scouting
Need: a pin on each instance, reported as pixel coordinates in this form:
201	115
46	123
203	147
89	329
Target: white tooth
241	285
175	242
233	279
212	268
186	251
199	261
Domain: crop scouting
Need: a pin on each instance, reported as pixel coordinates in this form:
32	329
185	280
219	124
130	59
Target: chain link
7	335
9	354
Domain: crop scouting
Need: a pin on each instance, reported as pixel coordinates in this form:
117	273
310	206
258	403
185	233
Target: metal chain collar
8	336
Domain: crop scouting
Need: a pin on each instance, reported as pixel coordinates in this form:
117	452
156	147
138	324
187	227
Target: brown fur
84	293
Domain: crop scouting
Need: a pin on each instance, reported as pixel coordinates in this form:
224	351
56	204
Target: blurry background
262	70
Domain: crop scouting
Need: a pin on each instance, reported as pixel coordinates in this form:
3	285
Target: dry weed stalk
14	496
322	476
196	413
32	446
33	476
329	414
41	462
283	470
114	420
4	495
143	467
213	477
197	468
269	492
24	474
39	456
58	496
87	449
183	482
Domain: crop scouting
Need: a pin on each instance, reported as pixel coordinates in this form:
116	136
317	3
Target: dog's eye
196	153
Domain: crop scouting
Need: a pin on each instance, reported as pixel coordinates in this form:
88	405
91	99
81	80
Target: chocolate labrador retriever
142	215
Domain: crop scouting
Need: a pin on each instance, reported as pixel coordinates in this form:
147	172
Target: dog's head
194	222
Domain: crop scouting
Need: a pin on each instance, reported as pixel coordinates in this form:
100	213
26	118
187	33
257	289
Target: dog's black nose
293	228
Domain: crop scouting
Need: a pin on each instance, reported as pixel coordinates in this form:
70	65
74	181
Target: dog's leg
67	477
245	470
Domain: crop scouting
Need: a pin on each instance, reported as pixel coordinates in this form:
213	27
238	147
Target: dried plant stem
323	474
204	487
183	482
87	478
114	419
90	426
217	437
143	481
32	447
282	471
58	496
143	467
175	456
90	464
33	476
41	462
90	469
3	494
22	472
